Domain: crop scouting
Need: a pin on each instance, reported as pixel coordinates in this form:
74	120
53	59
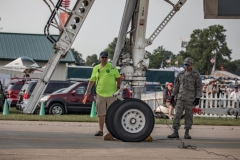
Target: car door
76	97
2	96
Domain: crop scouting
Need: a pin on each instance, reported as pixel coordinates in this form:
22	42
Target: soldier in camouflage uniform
188	88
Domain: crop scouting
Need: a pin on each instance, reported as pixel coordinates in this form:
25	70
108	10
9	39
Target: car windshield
59	91
154	88
9	87
70	88
17	86
25	86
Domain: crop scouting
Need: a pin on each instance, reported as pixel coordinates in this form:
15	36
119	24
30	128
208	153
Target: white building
35	46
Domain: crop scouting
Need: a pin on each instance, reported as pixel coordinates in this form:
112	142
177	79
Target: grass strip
84	117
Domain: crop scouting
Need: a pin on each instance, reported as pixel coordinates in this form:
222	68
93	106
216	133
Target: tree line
206	46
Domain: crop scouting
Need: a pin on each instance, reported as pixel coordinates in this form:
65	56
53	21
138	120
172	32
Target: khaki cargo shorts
102	104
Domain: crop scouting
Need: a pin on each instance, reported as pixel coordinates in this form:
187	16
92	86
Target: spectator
167	98
222	90
204	89
235	95
229	90
165	90
218	89
166	85
212	88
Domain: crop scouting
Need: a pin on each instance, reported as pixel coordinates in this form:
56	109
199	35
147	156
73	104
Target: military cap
188	61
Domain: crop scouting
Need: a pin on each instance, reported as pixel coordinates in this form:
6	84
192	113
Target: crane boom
175	9
61	45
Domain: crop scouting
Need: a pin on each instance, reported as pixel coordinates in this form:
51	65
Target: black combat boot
174	135
187	136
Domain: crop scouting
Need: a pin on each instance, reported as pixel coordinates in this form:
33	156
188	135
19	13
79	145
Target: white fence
214	104
153	99
210	105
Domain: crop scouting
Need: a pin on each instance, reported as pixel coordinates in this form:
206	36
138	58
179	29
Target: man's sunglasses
104	57
186	64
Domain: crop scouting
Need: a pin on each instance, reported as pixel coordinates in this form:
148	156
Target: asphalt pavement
28	140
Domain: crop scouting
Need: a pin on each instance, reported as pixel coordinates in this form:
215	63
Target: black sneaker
99	133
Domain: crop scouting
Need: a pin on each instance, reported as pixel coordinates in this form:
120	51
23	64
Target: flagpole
161	64
214	65
170	60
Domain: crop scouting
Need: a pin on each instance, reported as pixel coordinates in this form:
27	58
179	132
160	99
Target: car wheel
133	120
56	109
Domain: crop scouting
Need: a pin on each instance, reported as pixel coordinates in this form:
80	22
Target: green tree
160	55
180	58
79	61
206	44
91	59
233	67
111	47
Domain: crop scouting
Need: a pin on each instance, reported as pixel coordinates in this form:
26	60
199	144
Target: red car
13	91
71	99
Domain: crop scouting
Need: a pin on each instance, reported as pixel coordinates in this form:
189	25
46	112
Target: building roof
35	46
225	74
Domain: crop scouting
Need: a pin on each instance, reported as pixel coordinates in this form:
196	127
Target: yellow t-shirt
105	79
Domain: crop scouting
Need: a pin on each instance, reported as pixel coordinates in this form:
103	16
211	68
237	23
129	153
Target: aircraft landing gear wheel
133	120
109	118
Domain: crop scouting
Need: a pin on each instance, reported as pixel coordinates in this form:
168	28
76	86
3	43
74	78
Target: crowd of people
219	90
215	89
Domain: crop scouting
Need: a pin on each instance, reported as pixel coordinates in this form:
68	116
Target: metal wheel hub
133	121
57	110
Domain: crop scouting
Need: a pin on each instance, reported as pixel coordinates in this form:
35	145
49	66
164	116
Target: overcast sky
103	23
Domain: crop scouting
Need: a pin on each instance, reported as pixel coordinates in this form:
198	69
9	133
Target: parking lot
76	140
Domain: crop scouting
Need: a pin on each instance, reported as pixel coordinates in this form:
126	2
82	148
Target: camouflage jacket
188	87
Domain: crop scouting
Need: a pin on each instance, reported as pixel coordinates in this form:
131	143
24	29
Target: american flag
212	60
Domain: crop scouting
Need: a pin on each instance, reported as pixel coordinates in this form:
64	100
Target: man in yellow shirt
105	78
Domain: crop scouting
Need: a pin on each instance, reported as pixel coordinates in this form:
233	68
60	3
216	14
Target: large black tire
133	120
109	118
111	125
56	109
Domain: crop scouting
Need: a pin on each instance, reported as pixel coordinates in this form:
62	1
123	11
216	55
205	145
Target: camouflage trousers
188	117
